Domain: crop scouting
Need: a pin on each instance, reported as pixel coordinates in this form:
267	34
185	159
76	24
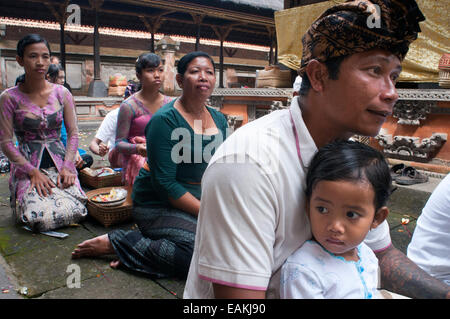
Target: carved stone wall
415	105
419	127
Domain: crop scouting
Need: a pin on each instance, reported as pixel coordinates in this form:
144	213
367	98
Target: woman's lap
162	246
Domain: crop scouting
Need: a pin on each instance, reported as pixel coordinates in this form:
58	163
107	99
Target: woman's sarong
62	208
162	246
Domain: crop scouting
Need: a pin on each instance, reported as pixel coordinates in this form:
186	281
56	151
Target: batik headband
362	25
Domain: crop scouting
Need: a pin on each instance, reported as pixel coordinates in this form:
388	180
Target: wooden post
62	46
152	26
198	18
197	38
96	47
152	42
61	17
97	87
222	34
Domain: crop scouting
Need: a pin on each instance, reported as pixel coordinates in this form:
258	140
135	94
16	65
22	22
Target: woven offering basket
100	181
108	215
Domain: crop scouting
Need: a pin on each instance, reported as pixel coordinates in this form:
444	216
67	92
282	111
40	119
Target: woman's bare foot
94	247
115	264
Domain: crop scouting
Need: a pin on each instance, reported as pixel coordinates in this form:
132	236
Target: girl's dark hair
184	61
53	71
333	66
147	60
30	39
351	161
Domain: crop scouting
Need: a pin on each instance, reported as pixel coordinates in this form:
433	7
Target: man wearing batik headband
252	215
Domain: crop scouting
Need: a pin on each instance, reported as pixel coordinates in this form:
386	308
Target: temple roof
244	21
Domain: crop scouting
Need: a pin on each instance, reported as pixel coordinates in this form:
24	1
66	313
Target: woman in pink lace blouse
43	179
134	114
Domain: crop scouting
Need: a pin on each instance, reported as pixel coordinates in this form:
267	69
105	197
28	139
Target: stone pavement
39	266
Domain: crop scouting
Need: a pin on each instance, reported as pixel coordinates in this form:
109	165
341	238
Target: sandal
411	176
397	170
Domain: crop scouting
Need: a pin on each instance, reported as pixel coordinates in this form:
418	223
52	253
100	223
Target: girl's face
199	78
152	76
35	60
341	214
60	79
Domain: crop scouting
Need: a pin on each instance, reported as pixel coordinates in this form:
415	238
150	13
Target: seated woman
56	74
134	114
43	176
182	136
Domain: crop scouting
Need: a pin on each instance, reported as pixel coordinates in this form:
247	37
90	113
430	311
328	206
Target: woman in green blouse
181	138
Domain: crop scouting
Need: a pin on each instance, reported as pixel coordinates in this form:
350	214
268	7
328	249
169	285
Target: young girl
43	180
347	187
130	148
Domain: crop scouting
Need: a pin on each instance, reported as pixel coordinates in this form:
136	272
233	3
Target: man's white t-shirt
107	130
430	244
252	215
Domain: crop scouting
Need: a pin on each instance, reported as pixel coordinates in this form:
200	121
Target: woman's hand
66	178
141	149
42	183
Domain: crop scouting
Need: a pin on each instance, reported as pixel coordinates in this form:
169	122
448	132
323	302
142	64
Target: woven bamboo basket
108	215
100	181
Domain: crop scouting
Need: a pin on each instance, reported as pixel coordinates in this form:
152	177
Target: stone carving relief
410	147
410	112
234	121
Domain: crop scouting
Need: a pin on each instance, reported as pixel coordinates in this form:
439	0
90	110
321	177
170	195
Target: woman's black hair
147	60
351	161
53	71
31	38
184	61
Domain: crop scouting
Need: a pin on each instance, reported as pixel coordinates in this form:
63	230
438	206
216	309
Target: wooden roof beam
185	6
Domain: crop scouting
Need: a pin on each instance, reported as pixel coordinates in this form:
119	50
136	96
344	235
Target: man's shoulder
263	142
112	115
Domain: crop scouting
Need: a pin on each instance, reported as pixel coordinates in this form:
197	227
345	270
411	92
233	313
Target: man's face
364	94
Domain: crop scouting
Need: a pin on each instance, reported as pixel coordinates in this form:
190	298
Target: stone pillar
166	48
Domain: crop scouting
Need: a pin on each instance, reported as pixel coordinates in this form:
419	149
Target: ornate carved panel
414	105
410	112
410	147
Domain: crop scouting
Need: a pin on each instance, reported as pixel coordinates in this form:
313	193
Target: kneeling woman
43	178
181	138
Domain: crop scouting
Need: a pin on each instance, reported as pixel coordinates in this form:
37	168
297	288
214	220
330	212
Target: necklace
193	118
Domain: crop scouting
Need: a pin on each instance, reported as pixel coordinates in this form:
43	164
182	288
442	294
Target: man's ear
380	216
317	73
19	60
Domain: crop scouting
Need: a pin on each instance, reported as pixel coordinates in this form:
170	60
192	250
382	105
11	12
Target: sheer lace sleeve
7	107
70	121
124	119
